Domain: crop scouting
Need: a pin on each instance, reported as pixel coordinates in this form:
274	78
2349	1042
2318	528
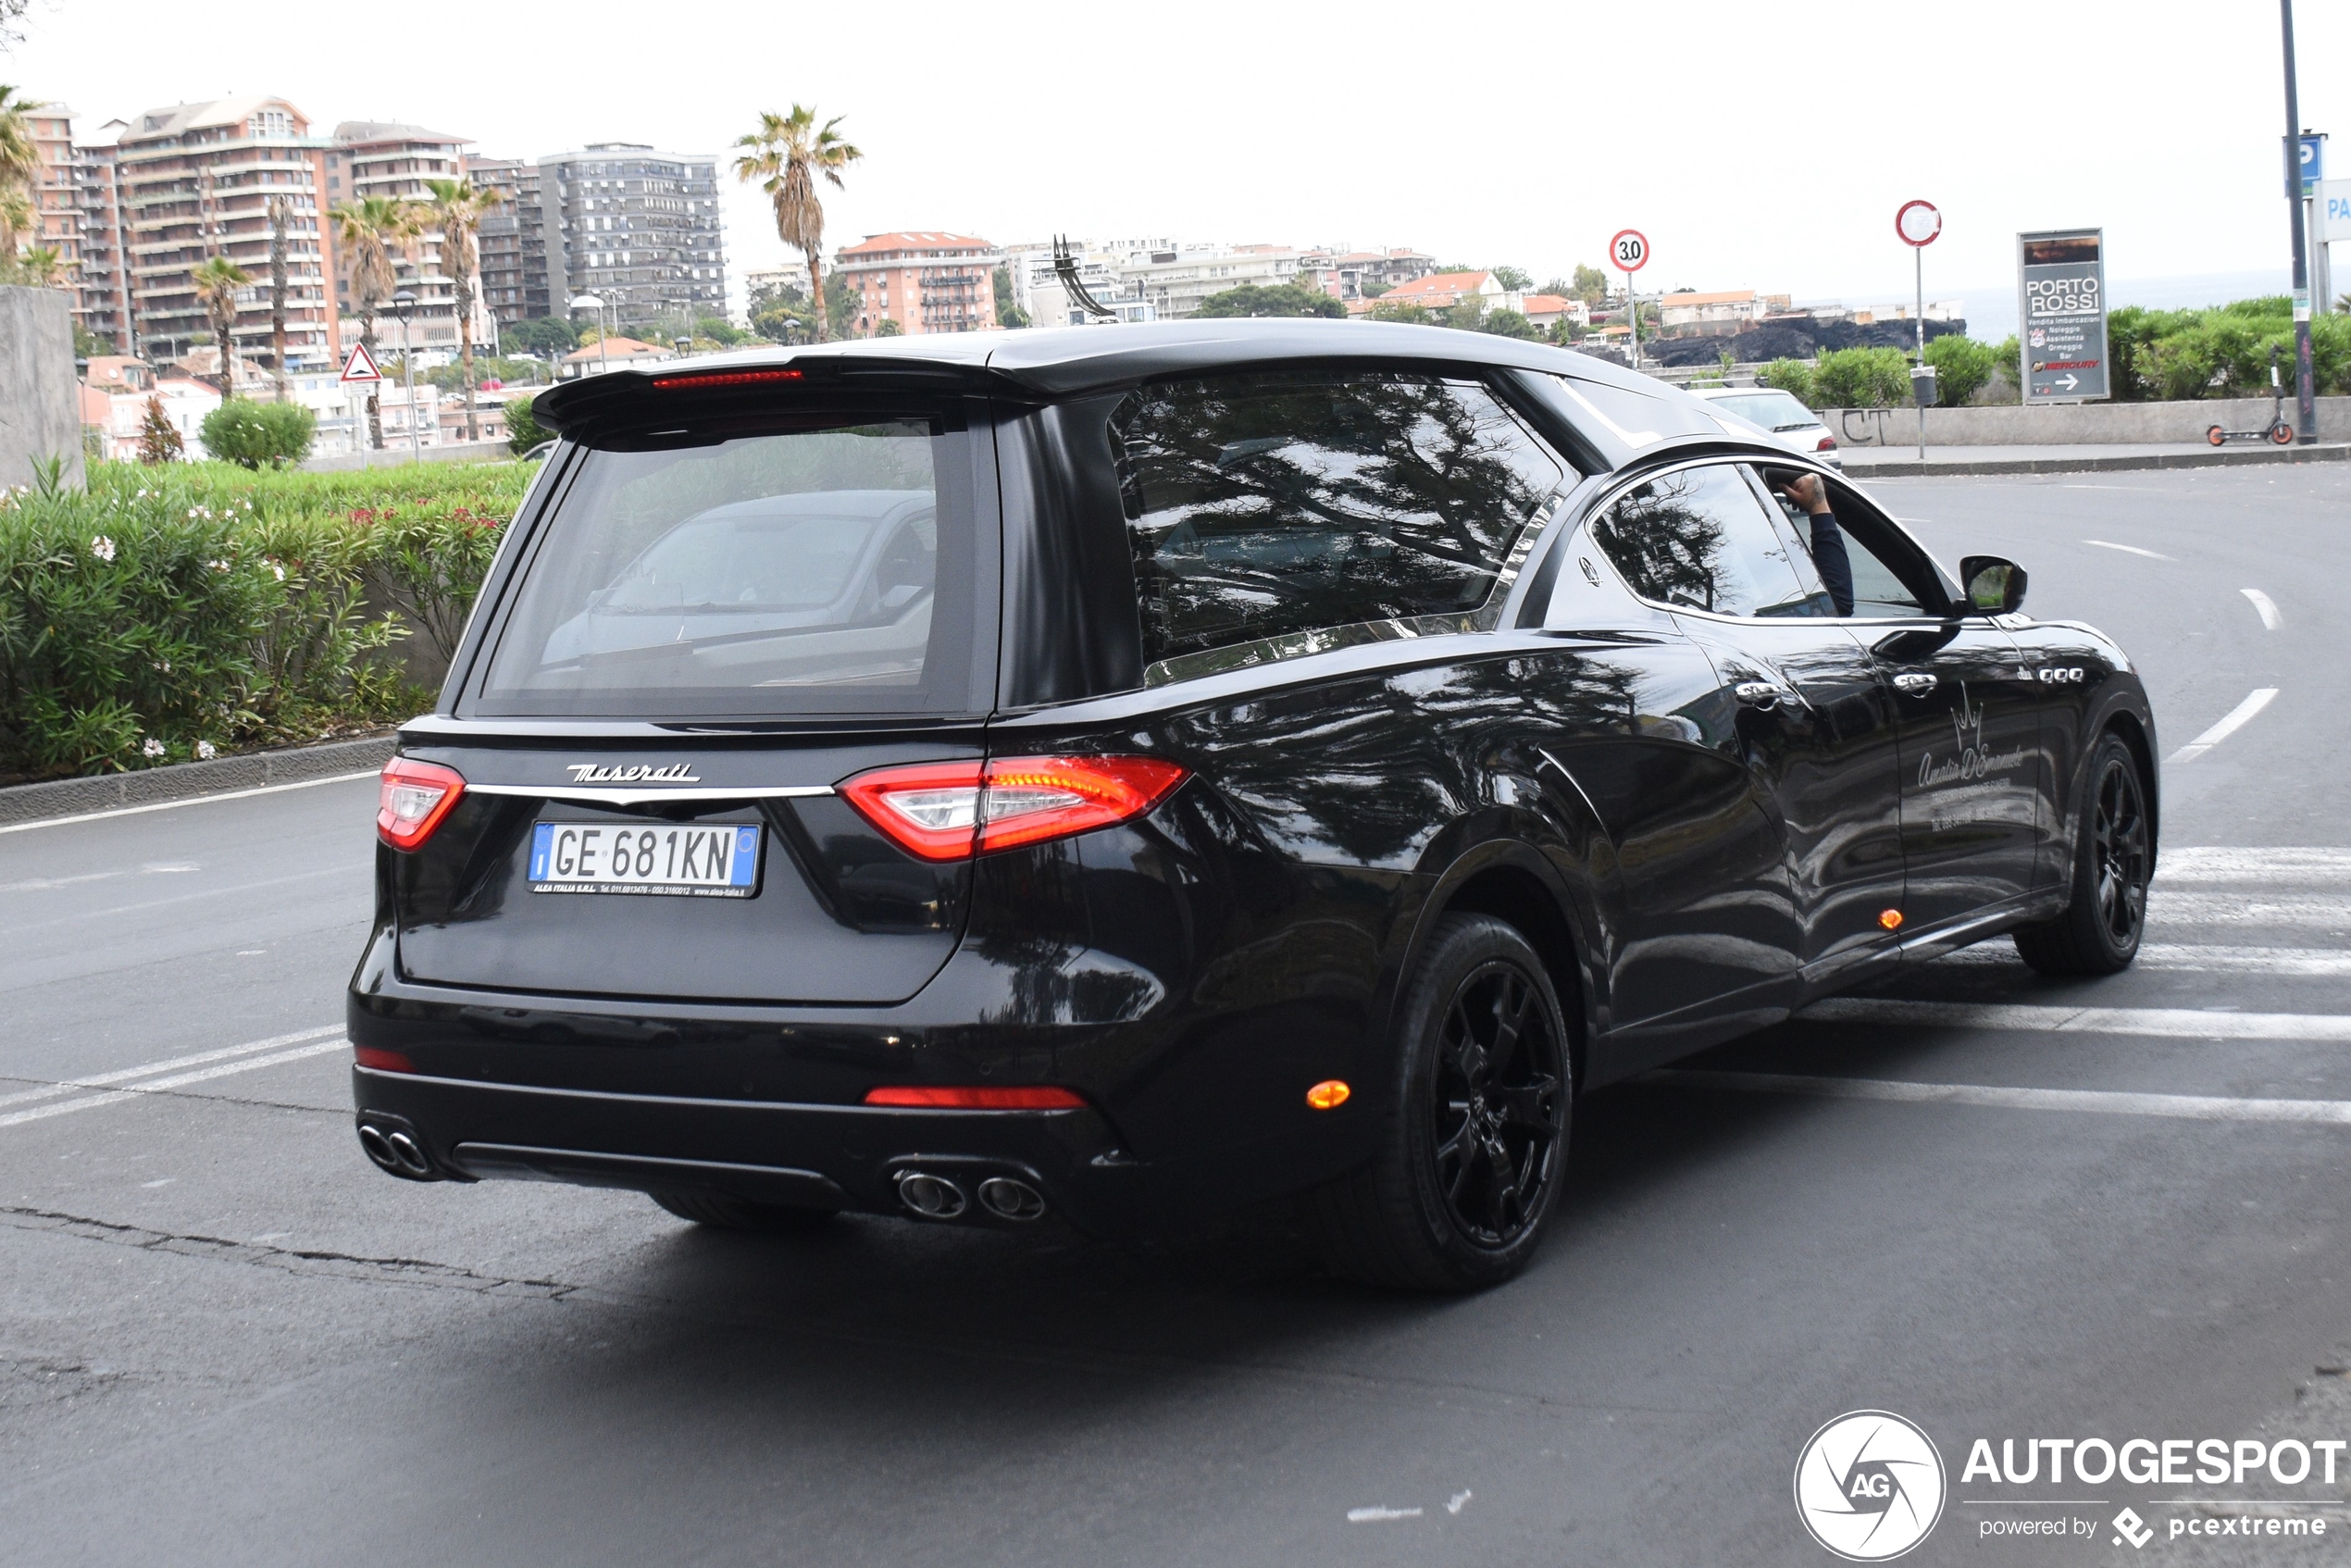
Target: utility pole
2305	392
281	217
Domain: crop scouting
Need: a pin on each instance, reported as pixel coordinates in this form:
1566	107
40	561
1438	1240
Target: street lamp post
403	302
2306	398
604	337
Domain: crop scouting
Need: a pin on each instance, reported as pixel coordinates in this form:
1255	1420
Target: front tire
726	1212
2282	434
1475	1148
2113	858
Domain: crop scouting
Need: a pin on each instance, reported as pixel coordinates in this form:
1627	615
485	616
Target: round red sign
1629	250
1917	223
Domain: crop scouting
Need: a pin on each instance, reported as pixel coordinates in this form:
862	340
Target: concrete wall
393	456
2086	424
39	406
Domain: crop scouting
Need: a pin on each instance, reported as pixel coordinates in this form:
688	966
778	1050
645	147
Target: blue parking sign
2314	160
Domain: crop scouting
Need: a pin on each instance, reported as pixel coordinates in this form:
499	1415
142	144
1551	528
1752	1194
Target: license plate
718	862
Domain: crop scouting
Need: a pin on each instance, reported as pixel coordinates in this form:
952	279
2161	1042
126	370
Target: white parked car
1779	415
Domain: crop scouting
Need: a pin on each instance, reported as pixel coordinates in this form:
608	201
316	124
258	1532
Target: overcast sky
1759	144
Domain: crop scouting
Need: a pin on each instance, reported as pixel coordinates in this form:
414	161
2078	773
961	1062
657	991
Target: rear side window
1262	506
827	566
1698	538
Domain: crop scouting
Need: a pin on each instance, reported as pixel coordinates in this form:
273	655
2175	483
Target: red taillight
381	1060
416	796
955	810
723	379
1828	443
930	1097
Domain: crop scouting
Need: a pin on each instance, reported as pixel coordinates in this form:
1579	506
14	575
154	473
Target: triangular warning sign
361	366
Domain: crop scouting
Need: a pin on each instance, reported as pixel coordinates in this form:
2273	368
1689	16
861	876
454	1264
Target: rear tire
2217	436
1474	1150
728	1212
2113	858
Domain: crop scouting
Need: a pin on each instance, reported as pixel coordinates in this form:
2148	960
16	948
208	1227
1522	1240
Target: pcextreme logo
1869	1485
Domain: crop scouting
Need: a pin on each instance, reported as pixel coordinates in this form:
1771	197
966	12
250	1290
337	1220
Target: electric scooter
2276	431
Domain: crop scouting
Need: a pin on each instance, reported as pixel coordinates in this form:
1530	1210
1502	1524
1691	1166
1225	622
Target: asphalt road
224	1338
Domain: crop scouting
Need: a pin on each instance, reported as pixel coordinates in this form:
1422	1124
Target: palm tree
281	220
19	167
41	267
784	157
372	231
217	281
459	206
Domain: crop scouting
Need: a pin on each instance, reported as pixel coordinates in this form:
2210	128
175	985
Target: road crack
421	1272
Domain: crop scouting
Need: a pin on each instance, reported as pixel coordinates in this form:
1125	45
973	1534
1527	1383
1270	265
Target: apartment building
1347	275
924	280
514	252
198	180
637	228
104	279
392	161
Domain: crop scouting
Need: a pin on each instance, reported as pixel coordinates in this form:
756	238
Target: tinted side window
1880	591
1263	505
1698	538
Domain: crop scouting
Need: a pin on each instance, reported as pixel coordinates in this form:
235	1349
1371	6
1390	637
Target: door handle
1760	696
1915	683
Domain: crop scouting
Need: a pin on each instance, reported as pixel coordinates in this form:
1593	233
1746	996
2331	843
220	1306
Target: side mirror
1994	587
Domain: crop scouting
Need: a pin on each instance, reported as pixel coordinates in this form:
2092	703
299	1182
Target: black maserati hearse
1111	774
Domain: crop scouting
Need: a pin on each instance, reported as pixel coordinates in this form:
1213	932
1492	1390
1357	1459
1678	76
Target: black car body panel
1700	820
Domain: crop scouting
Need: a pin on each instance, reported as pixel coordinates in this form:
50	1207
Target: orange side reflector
1328	1095
1891	919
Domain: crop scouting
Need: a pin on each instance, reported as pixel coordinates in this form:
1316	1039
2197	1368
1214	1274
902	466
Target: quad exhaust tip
1010	1200
931	1197
396	1151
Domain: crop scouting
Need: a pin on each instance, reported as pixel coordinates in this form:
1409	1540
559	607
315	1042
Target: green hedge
2164	355
191	609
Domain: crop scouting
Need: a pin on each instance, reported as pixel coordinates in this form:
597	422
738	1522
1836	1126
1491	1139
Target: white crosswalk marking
2167	909
2188	1107
2194	958
2175	1022
2202	865
2214	888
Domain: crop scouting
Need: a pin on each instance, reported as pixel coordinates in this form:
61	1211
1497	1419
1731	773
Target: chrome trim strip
595	795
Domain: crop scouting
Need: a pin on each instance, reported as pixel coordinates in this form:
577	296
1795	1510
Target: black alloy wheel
1472	1148
2113	860
1493	1104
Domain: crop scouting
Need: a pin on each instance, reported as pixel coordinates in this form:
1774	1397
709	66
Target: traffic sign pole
2306	403
1920	224
1629	248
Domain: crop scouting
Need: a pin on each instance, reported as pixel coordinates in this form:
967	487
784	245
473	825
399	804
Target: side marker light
1891	919
1328	1095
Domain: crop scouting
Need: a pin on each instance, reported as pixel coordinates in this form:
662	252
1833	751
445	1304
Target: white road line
2264	606
99	1081
2206	866
2238	718
2185	1107
2330	910
2126	549
353	868
2193	958
2171	1022
177	1080
192	801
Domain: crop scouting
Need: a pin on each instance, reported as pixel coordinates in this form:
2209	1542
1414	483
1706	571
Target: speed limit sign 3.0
1629	250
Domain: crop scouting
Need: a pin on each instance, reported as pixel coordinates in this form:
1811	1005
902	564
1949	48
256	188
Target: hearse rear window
1263	505
823	568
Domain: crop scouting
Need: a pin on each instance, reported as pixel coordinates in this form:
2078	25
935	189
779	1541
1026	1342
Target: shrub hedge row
191	609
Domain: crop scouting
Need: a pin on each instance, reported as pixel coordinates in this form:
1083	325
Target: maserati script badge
639	773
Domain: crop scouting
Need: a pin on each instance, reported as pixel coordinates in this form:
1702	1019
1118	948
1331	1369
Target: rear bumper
835	1156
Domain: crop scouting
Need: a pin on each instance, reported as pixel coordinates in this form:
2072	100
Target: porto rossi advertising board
2061	314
